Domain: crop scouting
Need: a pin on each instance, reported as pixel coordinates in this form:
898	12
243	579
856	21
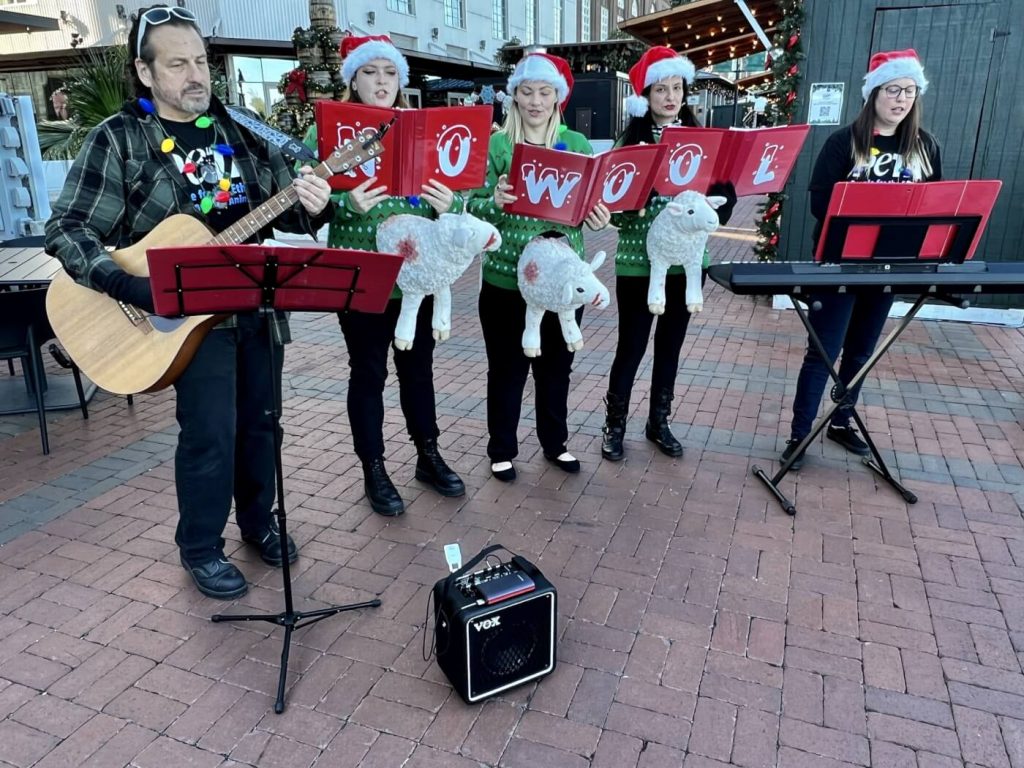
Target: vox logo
490	623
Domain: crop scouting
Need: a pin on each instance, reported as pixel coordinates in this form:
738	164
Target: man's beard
195	101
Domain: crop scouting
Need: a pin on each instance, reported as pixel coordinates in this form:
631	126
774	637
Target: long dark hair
913	142
640	130
147	54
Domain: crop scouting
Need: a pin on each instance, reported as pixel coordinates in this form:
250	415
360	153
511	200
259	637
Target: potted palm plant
95	91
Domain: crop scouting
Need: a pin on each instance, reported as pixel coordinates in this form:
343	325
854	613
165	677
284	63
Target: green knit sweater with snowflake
350	229
499	267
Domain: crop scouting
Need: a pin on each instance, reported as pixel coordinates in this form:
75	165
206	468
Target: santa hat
545	68
357	52
892	65
657	63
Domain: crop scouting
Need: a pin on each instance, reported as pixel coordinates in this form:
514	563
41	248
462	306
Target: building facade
442	38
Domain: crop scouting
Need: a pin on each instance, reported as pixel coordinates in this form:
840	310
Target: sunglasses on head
154	17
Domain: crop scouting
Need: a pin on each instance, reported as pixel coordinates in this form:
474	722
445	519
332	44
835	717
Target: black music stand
218	279
910	232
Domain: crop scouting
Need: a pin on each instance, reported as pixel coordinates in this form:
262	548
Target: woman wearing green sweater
660	82
539	86
375	72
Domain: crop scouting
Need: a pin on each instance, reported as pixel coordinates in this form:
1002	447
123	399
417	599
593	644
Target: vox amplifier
494	628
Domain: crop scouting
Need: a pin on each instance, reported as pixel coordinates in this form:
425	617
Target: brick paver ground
699	626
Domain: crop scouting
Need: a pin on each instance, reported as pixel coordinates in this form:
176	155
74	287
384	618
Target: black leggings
635	321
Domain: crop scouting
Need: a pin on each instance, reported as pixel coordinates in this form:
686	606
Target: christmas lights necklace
207	172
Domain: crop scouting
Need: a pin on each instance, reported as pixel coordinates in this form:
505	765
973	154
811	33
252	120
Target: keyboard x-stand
801	280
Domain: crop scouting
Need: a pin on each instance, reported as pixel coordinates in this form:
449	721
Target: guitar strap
292	149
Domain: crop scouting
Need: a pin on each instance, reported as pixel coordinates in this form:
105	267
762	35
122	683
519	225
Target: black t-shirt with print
203	167
835	164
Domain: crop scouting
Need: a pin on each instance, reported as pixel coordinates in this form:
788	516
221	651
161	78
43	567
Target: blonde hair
516	133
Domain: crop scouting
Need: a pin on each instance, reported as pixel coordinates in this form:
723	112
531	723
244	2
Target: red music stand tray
222	279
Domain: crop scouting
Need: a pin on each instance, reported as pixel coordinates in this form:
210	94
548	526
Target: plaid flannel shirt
122	185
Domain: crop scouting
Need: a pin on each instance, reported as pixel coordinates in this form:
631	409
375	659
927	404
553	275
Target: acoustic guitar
123	349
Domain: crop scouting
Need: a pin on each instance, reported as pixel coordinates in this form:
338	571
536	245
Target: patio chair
23	331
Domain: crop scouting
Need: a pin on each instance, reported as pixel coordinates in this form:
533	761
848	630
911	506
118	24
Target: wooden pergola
707	31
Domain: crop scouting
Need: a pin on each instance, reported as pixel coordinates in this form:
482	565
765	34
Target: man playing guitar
173	150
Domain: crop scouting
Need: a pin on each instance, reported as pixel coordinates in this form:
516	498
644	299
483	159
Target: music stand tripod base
233	278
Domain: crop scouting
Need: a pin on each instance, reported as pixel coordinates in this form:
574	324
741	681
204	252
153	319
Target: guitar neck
259	218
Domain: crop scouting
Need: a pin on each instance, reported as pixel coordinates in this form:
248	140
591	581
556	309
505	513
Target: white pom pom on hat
658	63
892	65
544	68
357	52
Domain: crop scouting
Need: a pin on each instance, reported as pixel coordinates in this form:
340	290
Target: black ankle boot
614	427
432	470
380	491
657	430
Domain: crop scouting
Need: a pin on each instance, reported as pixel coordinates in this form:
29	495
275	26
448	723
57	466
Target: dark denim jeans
226	444
368	337
848	322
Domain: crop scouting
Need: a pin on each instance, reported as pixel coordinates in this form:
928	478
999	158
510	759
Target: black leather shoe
790	450
217	578
432	470
269	545
570	465
506	475
849	439
380	491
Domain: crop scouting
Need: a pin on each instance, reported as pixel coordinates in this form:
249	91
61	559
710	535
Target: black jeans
635	321
226	444
848	322
368	338
502	319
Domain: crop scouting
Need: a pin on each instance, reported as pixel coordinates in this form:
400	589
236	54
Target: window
531	12
585	21
256	80
635	11
604	23
455	13
620	10
499	20
556	28
402	6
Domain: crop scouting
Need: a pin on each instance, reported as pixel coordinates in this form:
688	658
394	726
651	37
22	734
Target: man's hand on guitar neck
314	193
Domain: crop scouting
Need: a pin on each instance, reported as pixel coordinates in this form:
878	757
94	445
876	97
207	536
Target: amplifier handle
477	560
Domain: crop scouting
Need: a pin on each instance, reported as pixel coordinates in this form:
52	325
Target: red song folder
448	144
882	199
755	160
564	187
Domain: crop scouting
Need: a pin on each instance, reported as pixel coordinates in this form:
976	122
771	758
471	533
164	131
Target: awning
12	22
707	31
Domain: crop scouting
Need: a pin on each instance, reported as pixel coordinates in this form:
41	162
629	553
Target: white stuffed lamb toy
553	278
436	252
678	236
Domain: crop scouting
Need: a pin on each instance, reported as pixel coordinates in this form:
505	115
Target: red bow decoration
793	40
790	97
792	70
296	84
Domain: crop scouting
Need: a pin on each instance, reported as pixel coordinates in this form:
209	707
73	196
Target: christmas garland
782	108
